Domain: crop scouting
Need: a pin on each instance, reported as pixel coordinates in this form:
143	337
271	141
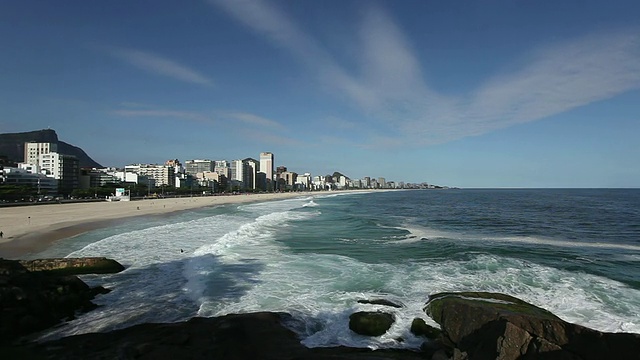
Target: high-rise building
266	167
250	176
222	167
162	174
64	168
33	150
197	166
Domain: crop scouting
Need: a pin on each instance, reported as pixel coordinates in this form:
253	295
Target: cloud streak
159	65
155	113
390	88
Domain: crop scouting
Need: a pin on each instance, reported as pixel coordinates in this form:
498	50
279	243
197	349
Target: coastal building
45	185
64	168
33	150
366	182
250	177
176	165
266	167
303	182
162	174
222	167
197	166
382	183
93	178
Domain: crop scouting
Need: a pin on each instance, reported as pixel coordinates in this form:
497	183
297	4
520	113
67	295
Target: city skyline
490	94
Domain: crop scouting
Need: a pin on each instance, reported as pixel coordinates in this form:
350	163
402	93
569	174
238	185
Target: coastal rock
420	328
370	323
496	326
238	336
74	266
383	302
33	301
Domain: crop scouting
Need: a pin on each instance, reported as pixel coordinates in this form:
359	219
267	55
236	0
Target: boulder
370	323
380	302
496	326
33	301
420	328
73	266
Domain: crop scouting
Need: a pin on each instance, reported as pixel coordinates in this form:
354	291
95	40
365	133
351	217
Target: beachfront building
319	183
163	175
250	177
382	183
197	166
20	176
355	184
243	174
93	178
303	182
64	168
176	165
266	167
33	150
222	167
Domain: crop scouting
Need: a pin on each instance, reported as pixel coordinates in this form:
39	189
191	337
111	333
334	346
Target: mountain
12	146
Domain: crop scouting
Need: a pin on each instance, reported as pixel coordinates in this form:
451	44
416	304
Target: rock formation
31	301
480	325
371	323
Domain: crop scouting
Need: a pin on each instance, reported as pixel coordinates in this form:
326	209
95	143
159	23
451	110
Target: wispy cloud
157	64
390	88
182	115
253	119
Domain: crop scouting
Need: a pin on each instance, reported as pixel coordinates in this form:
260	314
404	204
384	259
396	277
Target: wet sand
32	228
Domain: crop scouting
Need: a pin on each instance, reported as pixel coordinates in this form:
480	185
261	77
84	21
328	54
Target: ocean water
573	252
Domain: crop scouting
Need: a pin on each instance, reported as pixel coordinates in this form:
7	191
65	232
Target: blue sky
469	94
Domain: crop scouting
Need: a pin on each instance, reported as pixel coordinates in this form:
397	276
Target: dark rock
237	336
33	301
490	326
420	328
380	302
370	323
73	266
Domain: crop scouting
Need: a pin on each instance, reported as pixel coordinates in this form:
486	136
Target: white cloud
391	88
253	119
158	65
183	115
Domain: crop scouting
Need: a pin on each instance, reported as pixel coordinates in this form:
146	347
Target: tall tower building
266	167
33	150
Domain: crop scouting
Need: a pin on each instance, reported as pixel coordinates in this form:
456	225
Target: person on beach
1	234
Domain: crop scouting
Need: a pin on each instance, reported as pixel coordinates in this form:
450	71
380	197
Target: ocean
575	252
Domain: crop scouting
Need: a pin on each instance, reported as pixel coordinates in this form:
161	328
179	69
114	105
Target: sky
454	93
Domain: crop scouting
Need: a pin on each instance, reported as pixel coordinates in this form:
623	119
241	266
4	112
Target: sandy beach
32	228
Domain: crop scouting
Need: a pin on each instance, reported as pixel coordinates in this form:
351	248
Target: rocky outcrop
382	302
74	266
239	336
370	323
481	325
33	301
12	146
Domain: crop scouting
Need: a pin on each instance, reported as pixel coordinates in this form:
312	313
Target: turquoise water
573	252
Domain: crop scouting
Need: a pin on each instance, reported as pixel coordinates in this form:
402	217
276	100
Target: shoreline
31	229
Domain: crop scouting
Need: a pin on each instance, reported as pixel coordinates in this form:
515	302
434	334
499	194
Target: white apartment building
304	181
64	168
33	150
162	174
266	167
222	167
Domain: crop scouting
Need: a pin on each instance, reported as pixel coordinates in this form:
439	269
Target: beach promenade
28	229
